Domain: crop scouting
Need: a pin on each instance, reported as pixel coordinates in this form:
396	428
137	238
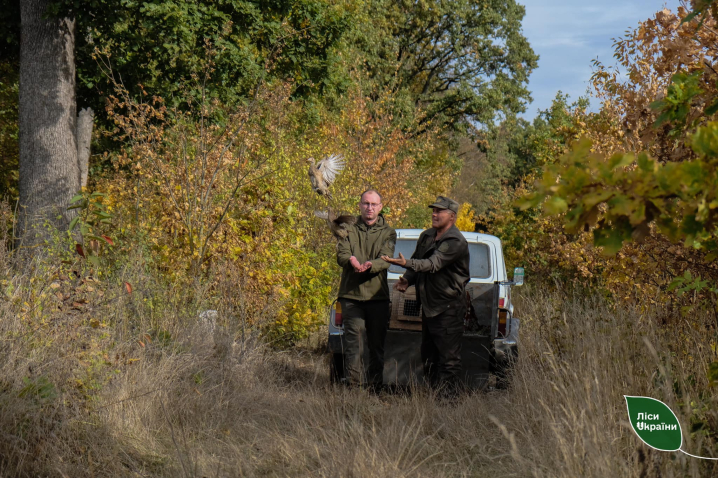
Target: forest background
197	195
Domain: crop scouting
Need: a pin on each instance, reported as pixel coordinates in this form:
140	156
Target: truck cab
491	332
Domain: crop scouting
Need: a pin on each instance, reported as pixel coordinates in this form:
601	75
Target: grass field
84	391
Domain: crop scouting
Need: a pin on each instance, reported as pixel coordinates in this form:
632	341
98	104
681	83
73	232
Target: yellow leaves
465	219
165	192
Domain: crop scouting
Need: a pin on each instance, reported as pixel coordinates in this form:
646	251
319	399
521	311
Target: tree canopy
462	61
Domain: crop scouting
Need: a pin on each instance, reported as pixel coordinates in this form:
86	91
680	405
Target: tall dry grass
134	384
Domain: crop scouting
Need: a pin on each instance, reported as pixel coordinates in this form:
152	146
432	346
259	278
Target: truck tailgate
402	358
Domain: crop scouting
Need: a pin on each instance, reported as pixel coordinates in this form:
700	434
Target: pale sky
568	34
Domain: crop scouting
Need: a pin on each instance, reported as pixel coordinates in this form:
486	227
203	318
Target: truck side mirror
518	276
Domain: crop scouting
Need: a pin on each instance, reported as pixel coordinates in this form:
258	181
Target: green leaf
573	219
713	374
654	423
621	205
611	237
645	163
619	160
529	201
75	198
662	118
657	105
712	109
555	205
596	197
676	282
690	16
690	226
638	214
73	223
40	388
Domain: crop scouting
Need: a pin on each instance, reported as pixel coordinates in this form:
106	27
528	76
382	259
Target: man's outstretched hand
399	261
359	267
402	285
355	263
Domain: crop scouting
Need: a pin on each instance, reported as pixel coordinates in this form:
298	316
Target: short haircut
371	191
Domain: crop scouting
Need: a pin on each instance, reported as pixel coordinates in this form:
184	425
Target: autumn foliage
222	193
624	198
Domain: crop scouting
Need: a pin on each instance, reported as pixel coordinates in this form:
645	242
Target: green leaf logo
654	423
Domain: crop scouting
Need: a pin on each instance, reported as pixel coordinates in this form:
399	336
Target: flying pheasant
323	173
338	225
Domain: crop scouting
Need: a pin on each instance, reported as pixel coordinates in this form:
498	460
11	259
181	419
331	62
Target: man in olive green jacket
439	268
363	290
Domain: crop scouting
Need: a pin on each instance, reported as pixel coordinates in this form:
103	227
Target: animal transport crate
405	310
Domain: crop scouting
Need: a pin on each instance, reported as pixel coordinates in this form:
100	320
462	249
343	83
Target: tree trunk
49	170
84	138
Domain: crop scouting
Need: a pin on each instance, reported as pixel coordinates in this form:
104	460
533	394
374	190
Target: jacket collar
452	232
378	225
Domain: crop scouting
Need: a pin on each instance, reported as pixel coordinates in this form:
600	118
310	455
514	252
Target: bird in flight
338	225
323	173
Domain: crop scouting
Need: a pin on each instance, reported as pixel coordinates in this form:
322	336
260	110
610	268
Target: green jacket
366	243
440	270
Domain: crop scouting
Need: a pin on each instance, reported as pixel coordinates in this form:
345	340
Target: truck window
406	247
479	266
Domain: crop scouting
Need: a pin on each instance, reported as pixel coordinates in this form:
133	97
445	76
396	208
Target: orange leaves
652	54
668	76
383	154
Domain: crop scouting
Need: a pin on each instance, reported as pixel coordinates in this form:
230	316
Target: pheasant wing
346	220
330	167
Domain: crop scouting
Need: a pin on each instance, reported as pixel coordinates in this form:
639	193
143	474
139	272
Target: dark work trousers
370	319
441	347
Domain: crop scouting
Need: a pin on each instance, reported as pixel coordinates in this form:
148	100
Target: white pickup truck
491	332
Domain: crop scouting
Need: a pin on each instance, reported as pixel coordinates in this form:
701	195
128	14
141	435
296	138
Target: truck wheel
336	368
